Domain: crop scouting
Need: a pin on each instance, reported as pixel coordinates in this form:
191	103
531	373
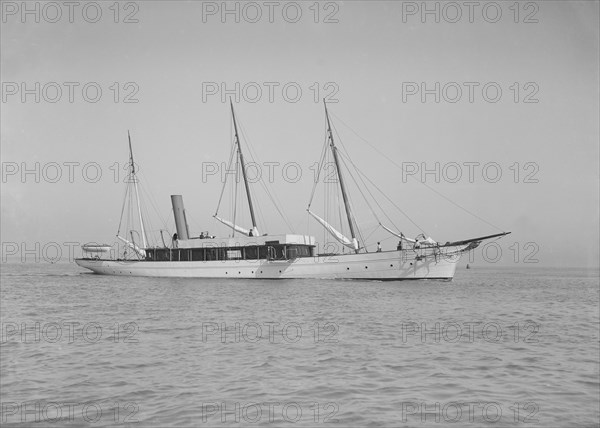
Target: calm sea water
503	347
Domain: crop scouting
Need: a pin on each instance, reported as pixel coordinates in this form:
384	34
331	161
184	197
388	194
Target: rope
123	208
362	174
423	183
321	163
225	181
271	195
235	192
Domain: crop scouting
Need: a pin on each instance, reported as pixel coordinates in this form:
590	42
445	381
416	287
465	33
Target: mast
137	195
239	150
339	172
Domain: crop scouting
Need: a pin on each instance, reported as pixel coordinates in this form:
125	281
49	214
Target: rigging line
170	222
272	195
283	216
261	216
393	203
225	180
371	194
373	231
362	174
130	222
326	202
145	219
148	203
339	209
274	200
358	187
320	167
345	153
359	230
123	208
237	169
421	182
152	200
199	226
131	219
171	215
143	214
350	196
148	196
252	156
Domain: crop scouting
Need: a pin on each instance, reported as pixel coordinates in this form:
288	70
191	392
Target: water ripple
187	352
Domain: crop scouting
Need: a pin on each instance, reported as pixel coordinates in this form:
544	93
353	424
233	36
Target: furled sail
140	252
399	235
337	235
237	228
421	239
428	240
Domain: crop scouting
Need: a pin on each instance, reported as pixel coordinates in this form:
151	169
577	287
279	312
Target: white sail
134	247
337	235
425	240
237	228
399	235
429	241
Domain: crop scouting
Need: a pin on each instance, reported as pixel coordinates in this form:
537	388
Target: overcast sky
370	59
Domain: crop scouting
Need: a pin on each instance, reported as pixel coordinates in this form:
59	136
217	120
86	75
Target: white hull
388	265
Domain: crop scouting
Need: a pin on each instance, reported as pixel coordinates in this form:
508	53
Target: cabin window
211	254
198	255
161	255
262	252
251	253
254	252
184	255
276	252
294	251
234	254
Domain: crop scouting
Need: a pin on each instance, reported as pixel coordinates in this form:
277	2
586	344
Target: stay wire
421	182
